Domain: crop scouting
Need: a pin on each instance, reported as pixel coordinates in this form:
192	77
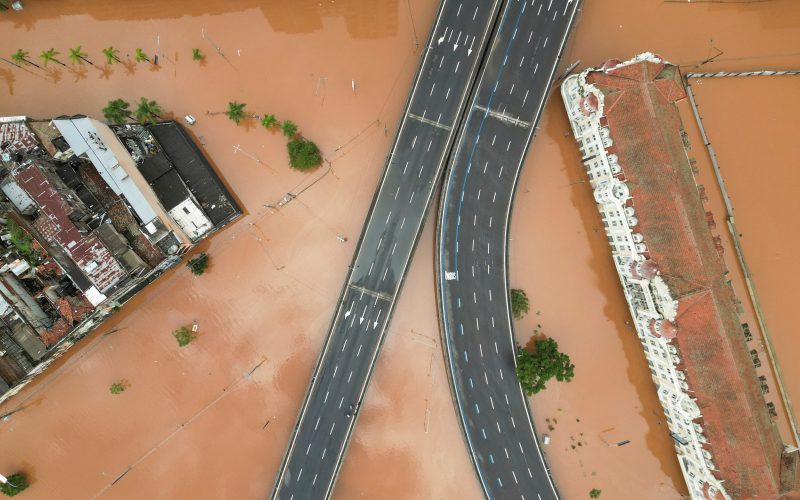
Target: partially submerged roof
196	171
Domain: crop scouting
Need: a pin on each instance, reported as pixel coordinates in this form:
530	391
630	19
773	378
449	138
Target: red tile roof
645	126
53	222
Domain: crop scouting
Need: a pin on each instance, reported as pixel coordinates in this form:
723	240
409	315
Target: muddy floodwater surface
212	420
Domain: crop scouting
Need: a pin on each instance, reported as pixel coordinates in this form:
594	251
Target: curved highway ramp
471	247
443	84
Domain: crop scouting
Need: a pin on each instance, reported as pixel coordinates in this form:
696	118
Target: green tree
23	242
303	154
184	336
148	111
117	111
269	121
535	368
198	265
236	111
595	493
50	55
519	303
289	128
117	388
77	56
21	57
197	55
111	55
16	484
140	56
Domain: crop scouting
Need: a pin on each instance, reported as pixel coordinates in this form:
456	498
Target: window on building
746	330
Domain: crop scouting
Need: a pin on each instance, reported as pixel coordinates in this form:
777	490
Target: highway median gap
422	146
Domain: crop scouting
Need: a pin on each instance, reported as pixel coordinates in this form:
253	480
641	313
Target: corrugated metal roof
83	138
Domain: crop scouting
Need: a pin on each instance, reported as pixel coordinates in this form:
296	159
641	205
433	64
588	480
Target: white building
652	306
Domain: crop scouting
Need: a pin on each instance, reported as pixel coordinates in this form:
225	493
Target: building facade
628	132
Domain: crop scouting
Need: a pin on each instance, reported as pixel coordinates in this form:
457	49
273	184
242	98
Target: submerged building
629	132
89	215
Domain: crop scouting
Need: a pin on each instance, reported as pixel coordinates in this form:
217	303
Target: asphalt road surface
471	247
444	82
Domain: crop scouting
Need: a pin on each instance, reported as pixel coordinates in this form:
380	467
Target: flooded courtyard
212	420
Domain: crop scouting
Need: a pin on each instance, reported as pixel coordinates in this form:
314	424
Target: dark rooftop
196	172
170	189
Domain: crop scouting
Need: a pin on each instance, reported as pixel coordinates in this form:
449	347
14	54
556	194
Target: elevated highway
472	270
443	84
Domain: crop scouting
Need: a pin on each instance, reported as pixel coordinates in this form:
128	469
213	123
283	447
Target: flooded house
90	215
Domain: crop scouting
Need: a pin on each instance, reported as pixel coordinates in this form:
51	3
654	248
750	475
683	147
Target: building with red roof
628	129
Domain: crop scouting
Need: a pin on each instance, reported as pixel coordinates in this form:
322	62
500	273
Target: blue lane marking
450	345
480	128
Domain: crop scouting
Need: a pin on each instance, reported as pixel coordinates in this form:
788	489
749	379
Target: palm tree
21	58
111	55
148	111
77	56
236	111
140	56
289	128
117	111
269	120
197	55
50	55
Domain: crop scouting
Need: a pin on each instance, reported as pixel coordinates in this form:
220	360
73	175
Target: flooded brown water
758	165
211	420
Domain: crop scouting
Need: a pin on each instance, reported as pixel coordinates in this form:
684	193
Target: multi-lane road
427	132
472	253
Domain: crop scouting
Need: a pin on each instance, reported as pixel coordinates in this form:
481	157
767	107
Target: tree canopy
140	56
535	368
519	303
269	120
236	111
198	265
148	111
303	154
289	128
78	56
21	57
197	55
16	484
117	111
50	55
111	55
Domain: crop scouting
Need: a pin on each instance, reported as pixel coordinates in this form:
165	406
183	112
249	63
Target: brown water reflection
375	19
212	420
757	154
